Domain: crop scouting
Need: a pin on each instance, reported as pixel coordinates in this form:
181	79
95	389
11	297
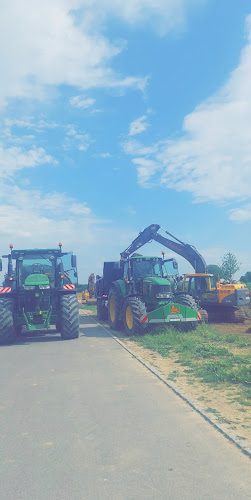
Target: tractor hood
155	280
37	279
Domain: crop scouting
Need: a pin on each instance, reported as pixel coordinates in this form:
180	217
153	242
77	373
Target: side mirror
175	264
1	265
73	261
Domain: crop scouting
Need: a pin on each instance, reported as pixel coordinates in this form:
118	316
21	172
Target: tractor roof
38	251
144	257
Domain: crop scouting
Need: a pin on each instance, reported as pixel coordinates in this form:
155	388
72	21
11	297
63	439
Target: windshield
70	273
35	264
169	269
144	268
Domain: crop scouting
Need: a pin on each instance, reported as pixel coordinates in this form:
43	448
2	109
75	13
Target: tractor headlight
163	296
29	287
44	287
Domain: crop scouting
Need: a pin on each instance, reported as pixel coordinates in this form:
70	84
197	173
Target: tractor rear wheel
69	321
9	303
7	332
186	300
101	311
132	310
114	307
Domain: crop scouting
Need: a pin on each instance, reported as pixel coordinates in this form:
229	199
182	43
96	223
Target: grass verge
88	308
219	360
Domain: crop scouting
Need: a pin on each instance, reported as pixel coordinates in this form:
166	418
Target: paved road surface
82	419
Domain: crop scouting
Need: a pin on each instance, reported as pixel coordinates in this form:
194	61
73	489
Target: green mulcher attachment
39	293
173	313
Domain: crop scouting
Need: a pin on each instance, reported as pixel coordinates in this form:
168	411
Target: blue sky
115	115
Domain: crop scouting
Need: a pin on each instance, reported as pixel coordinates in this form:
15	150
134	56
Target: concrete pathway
82	419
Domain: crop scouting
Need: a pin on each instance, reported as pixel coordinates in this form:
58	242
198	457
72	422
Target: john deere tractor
39	291
136	292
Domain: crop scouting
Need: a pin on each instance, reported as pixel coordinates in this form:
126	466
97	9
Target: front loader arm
187	251
144	237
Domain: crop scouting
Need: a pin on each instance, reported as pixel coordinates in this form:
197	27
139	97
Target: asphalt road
82	419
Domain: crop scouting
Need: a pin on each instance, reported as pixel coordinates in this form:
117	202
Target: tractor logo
174	310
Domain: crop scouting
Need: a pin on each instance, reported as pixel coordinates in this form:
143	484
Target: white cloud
29	219
83	147
162	15
47	48
81	102
146	169
56	42
138	126
212	159
105	155
131	211
76	140
15	158
241	214
133	147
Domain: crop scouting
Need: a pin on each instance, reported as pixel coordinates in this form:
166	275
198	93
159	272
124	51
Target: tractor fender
120	287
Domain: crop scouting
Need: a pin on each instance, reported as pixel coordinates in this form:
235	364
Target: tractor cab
149	277
201	286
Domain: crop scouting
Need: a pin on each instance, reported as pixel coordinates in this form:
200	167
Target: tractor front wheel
101	310
69	321
186	300
132	310
7	332
114	306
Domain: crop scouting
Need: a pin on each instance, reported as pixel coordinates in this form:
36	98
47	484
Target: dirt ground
233	329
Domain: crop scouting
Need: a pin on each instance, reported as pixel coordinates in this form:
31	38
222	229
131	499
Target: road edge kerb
171	385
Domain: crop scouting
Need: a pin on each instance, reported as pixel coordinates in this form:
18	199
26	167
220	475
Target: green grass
207	354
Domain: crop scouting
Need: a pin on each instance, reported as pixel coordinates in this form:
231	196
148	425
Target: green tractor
138	291
39	291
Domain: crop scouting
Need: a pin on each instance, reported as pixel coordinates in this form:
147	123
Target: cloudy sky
115	115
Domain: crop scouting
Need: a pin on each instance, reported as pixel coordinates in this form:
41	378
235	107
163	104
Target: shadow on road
29	338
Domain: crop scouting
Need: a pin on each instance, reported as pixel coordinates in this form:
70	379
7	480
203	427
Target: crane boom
189	252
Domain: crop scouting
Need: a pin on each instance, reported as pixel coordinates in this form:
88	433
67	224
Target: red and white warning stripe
143	318
5	289
69	287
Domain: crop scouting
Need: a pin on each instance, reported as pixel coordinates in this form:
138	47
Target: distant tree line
81	288
229	266
246	278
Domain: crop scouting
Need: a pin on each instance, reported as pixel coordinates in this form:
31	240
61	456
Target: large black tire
186	300
7	332
102	313
132	309
114	308
9	303
69	321
203	315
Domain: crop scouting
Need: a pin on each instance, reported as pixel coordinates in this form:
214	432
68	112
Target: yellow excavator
217	301
88	296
